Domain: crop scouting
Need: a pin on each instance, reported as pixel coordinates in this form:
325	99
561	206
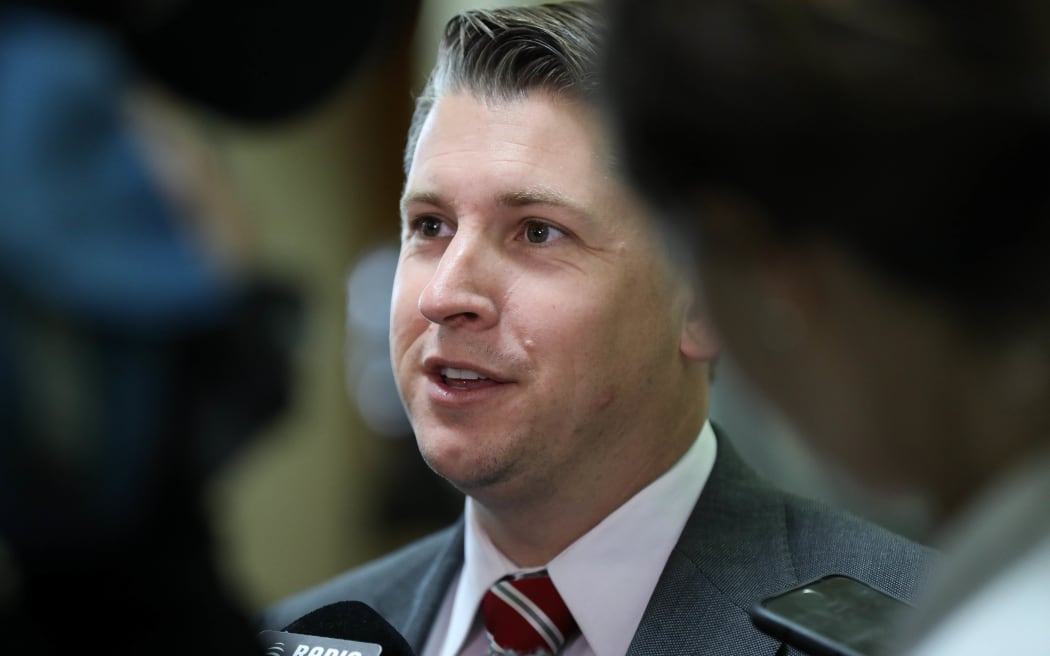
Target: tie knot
526	615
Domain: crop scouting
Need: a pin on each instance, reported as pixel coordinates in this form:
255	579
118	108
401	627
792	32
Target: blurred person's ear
759	288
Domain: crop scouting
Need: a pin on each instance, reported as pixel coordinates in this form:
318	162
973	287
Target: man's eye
538	232
429	226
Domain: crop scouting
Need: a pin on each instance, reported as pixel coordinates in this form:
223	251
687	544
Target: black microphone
343	628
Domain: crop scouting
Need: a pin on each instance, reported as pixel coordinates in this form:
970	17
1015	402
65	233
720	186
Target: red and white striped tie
526	616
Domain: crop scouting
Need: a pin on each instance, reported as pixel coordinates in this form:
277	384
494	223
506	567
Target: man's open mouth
464	379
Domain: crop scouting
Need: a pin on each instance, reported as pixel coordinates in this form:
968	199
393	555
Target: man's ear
698	341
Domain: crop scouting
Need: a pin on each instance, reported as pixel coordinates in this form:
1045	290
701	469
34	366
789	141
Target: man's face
536	325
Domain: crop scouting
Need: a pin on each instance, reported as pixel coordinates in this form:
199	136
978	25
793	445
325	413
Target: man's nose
462	290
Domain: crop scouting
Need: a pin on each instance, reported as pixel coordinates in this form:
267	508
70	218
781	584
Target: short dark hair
915	133
505	53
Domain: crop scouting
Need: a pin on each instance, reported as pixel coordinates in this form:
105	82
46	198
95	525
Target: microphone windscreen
352	620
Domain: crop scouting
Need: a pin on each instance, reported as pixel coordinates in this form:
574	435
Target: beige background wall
319	191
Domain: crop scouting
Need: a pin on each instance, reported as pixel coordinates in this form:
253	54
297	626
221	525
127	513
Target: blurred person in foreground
555	368
140	351
864	186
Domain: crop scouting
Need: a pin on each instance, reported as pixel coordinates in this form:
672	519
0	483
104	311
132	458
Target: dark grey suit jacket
745	540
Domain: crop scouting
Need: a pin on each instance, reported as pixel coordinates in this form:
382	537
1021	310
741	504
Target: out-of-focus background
337	480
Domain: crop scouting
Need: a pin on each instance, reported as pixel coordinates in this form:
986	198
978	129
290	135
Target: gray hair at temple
503	54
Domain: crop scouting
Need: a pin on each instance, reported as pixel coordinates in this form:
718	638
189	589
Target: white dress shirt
606	577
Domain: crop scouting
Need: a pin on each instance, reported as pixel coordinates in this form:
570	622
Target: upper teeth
462	374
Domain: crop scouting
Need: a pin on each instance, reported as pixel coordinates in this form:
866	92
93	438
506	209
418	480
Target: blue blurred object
96	277
82	226
131	366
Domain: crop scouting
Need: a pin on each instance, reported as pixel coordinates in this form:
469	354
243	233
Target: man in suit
555	365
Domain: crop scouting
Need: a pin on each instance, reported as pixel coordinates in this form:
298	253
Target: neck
532	529
533	539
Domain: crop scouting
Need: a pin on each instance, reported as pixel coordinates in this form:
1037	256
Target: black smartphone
834	615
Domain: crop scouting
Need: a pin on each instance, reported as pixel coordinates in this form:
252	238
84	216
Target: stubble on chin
468	472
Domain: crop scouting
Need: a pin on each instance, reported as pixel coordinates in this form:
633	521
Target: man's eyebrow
518	198
540	196
427	197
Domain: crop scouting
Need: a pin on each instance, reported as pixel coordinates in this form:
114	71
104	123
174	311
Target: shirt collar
607	576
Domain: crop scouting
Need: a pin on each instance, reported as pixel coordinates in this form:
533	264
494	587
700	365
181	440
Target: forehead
541	141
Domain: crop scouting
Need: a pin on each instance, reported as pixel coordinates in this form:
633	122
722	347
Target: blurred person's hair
914	133
503	54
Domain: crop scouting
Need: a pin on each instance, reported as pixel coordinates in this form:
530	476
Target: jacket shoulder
396	574
827	540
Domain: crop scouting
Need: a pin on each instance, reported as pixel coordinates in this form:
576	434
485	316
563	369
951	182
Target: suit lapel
733	551
415	608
